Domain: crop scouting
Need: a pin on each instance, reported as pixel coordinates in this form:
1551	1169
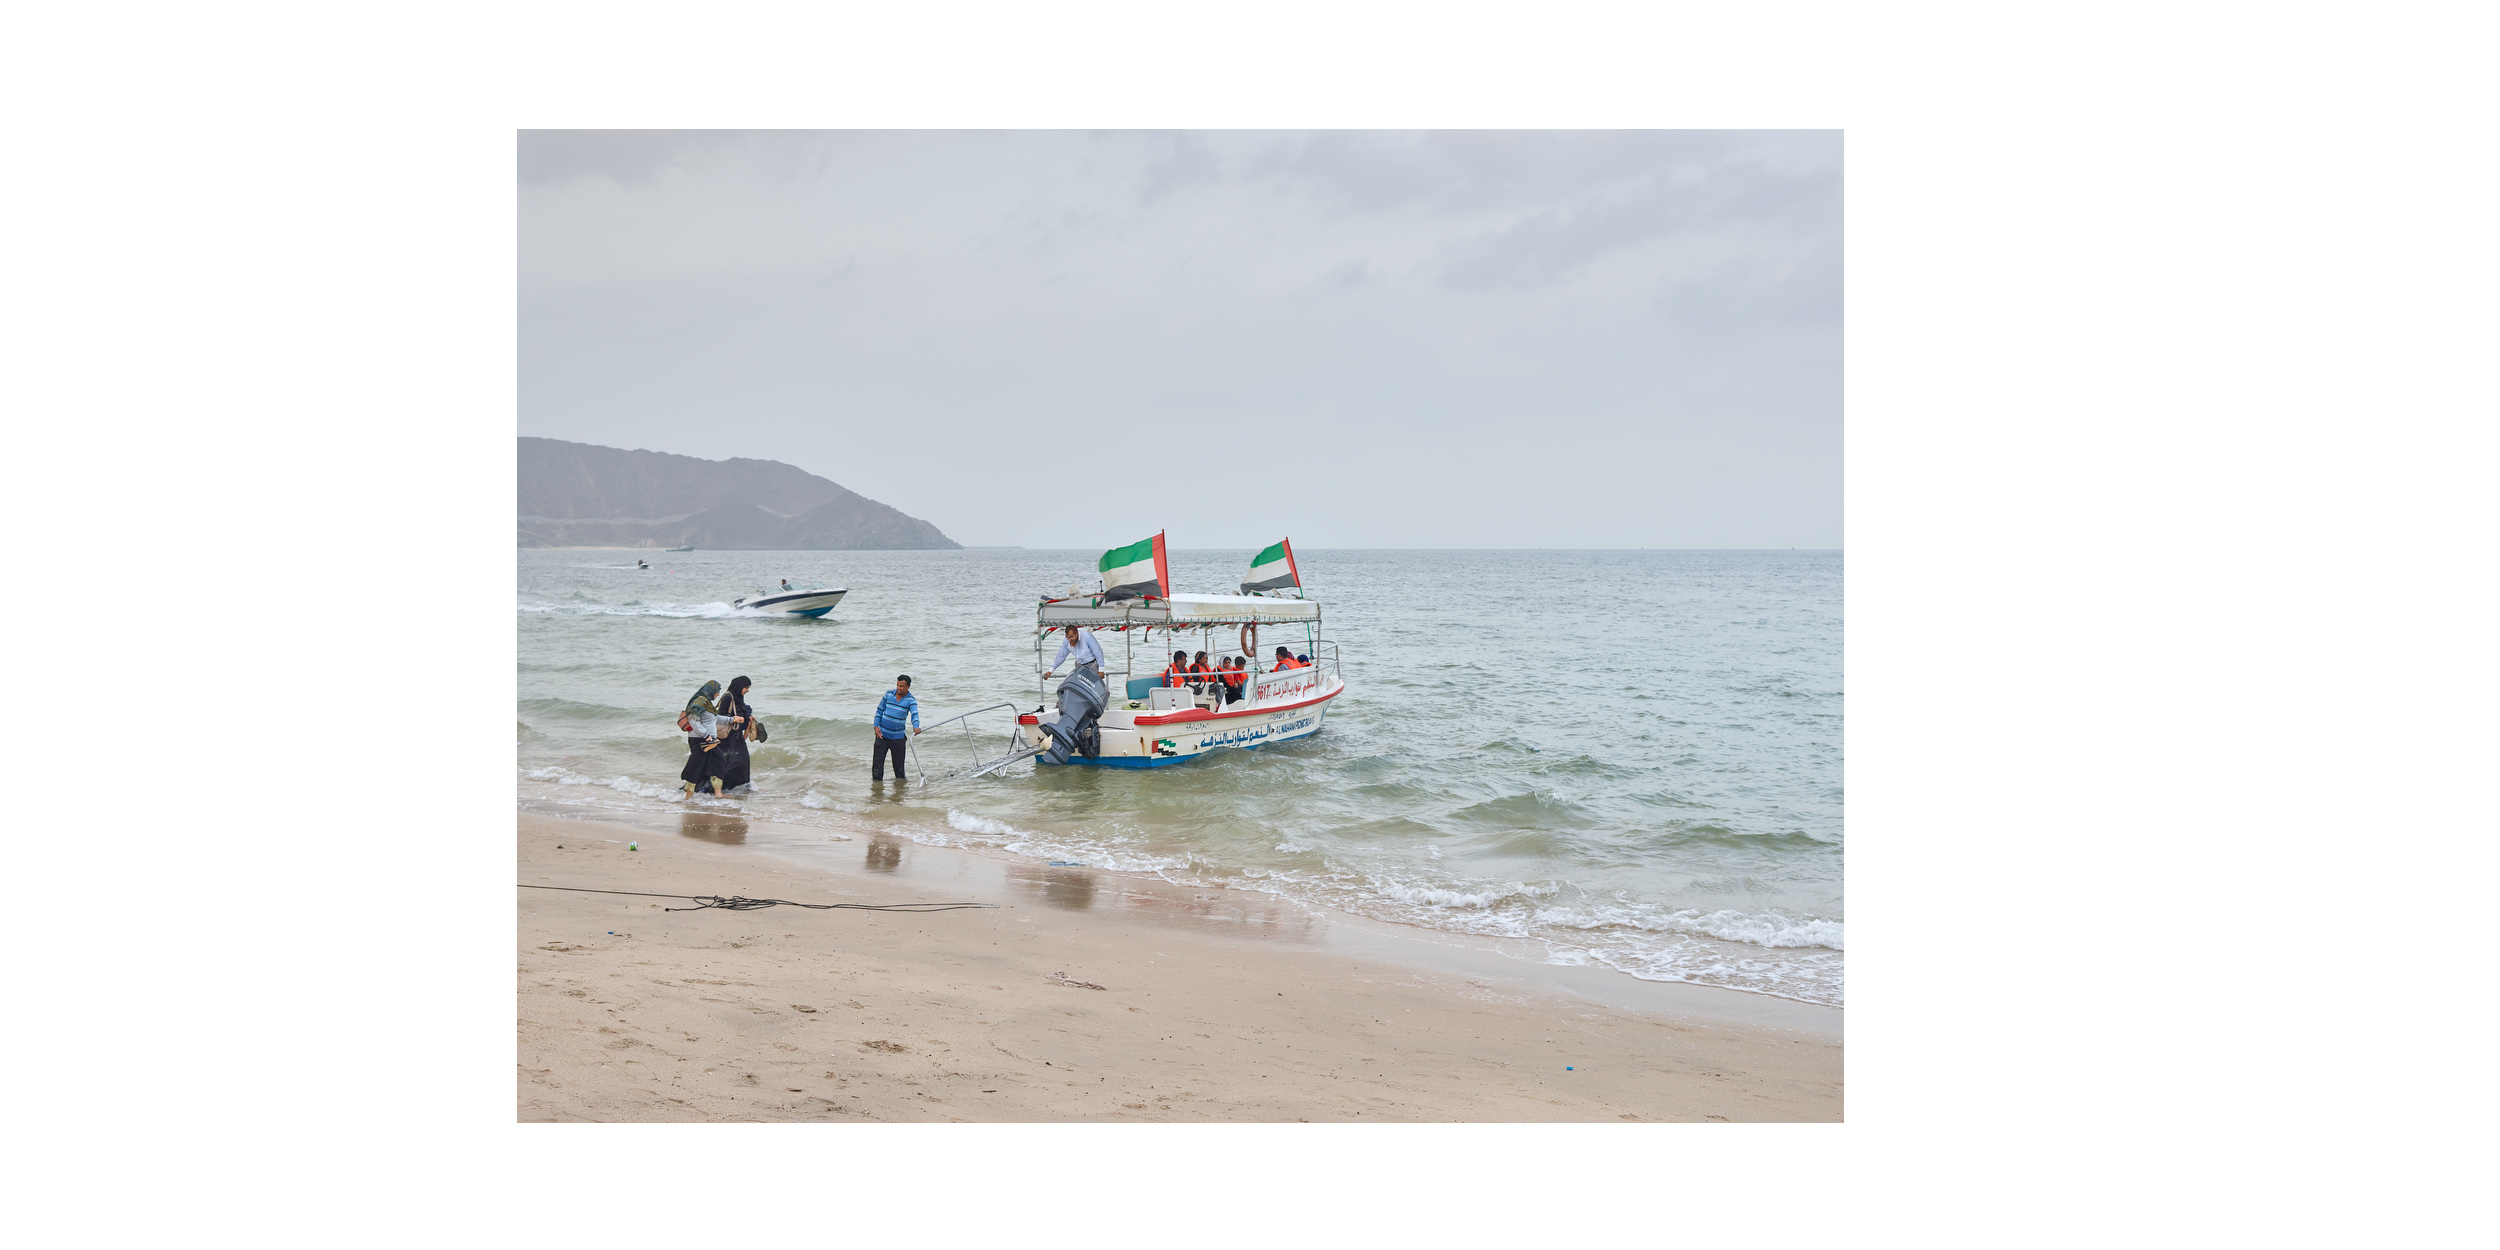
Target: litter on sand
1062	978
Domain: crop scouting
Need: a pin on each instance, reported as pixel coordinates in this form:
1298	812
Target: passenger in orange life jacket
1285	660
1177	673
1233	677
1203	676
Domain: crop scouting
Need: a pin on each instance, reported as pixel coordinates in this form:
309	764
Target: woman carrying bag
702	723
734	760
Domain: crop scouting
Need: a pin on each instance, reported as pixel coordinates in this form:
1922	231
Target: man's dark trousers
876	764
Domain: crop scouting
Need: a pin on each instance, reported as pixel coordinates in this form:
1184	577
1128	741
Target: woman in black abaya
734	761
704	727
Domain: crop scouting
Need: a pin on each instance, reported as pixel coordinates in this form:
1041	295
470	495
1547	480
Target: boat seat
1138	686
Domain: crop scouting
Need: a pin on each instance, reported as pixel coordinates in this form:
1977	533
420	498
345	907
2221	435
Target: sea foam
681	611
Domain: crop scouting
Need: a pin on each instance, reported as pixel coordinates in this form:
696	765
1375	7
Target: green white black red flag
1137	569
1273	569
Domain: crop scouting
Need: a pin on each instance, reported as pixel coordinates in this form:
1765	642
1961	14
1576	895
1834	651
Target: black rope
709	901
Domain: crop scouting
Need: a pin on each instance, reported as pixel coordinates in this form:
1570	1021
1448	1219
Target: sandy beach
1084	995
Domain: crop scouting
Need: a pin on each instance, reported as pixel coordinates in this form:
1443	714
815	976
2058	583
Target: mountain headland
584	495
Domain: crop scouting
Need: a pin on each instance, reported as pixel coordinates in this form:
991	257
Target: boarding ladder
979	759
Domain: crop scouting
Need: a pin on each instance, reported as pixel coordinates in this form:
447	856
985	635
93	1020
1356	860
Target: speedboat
811	599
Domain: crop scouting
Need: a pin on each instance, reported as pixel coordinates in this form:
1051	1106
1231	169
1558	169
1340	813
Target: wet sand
1213	1005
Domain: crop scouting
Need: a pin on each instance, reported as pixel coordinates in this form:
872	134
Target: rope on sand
710	901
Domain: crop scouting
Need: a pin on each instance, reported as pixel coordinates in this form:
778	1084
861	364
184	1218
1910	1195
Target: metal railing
1323	652
966	745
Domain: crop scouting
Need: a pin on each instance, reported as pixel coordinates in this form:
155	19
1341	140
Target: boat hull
1132	745
798	603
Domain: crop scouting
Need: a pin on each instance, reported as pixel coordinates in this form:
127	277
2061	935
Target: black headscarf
738	693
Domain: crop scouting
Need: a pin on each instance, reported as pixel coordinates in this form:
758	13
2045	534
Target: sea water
1630	758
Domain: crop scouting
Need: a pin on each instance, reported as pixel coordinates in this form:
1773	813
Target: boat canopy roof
1092	611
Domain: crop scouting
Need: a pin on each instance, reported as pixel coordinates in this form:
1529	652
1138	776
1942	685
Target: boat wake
681	611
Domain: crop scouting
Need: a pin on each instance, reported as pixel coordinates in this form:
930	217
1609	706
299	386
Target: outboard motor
1082	698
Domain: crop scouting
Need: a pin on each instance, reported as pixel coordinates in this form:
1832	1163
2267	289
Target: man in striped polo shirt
892	711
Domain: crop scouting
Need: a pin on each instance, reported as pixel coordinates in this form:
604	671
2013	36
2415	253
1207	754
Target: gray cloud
1554	242
1493	338
626	157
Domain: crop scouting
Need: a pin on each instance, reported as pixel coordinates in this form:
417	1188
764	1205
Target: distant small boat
676	548
810	599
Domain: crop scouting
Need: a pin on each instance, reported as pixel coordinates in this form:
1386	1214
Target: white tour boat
811	599
1158	724
1130	714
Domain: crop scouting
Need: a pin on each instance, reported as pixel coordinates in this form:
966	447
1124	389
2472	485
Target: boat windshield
791	585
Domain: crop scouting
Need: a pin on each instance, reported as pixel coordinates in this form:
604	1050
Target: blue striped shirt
890	713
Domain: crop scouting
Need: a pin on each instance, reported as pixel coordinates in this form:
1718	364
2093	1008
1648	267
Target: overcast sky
1070	339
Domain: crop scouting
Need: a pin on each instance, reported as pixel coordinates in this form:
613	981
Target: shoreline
1216	1004
541	792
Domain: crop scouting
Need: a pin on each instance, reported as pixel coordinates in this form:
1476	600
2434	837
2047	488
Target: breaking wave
1788	956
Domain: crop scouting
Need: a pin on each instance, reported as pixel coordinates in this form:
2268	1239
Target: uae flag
1273	569
1137	569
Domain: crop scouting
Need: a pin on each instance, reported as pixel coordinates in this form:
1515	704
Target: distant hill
581	495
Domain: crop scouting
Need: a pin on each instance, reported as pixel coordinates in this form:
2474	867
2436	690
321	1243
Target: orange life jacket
1175	675
1286	663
